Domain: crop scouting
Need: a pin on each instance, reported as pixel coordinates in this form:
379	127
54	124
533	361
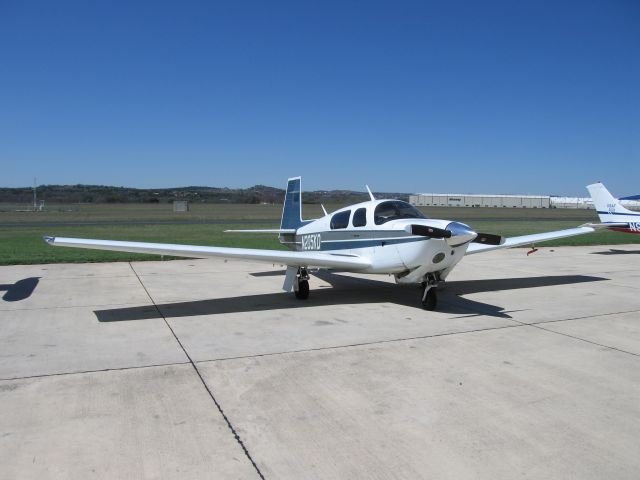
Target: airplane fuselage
370	230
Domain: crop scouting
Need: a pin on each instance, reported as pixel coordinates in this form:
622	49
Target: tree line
72	194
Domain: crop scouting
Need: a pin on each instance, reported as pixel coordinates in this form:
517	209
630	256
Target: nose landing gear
429	294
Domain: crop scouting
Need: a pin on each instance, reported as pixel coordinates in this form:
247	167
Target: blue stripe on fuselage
623	214
379	242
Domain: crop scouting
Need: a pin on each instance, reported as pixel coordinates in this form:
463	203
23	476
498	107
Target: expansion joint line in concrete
516	324
363	344
540	327
204	384
102	370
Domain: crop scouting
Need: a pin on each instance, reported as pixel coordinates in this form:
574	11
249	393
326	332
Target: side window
360	217
340	220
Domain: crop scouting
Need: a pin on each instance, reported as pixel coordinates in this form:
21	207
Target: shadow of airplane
616	251
20	290
269	273
348	290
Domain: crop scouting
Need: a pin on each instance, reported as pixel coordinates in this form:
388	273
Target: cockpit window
395	209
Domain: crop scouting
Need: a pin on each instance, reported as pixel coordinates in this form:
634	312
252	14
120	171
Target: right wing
529	239
283	257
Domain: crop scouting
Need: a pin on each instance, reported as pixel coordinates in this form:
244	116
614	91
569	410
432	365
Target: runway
184	369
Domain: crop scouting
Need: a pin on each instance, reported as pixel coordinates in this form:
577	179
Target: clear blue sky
465	96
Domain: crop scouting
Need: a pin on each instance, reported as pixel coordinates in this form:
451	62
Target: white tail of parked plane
611	212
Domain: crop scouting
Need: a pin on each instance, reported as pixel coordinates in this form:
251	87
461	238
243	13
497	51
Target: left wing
283	257
529	239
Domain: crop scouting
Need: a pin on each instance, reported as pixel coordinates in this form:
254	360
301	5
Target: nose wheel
301	286
429	298
429	294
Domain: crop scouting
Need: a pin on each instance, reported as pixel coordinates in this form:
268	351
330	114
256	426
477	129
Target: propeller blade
489	239
431	232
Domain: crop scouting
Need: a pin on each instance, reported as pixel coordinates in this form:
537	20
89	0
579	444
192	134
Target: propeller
455	233
431	232
489	239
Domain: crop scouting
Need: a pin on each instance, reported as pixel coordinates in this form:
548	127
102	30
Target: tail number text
311	242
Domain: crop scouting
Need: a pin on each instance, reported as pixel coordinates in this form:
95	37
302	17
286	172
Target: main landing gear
301	285
429	294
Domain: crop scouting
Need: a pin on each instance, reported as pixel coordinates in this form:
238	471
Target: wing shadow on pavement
20	290
348	290
617	251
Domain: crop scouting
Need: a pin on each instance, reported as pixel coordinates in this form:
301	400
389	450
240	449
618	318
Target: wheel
430	300
302	292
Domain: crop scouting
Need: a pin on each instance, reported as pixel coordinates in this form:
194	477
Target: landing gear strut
429	294
301	285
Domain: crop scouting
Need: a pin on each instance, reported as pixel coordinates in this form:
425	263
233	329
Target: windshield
395	209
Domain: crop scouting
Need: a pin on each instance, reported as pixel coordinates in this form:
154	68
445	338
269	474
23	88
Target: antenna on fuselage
324	209
370	194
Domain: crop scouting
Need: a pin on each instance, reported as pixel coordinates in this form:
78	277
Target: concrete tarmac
205	369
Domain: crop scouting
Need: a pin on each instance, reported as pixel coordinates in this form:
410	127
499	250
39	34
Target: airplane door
361	237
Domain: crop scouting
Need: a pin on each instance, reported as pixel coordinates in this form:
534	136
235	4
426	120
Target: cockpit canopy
394	210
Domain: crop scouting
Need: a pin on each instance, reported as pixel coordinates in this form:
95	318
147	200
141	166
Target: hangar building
479	200
509	201
572	202
587	202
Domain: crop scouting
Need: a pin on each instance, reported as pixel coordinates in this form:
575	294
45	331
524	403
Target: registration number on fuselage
634	226
312	241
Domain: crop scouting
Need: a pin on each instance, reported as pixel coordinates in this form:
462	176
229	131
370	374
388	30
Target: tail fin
607	207
292	211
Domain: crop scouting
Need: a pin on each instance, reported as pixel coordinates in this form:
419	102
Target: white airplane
611	213
376	236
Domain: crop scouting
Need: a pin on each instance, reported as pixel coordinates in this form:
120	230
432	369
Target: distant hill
107	194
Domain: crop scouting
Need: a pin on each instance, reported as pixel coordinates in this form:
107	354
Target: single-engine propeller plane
611	213
376	236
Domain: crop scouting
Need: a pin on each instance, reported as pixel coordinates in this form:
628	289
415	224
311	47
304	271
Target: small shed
180	206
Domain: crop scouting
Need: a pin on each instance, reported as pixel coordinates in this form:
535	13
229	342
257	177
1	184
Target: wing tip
49	240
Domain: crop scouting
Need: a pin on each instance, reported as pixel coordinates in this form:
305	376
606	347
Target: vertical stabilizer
607	207
292	211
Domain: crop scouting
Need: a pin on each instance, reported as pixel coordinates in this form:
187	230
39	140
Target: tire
431	300
303	290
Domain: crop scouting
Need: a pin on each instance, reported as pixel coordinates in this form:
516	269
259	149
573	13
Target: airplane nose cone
460	234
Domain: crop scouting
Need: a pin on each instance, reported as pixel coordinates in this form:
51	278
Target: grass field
21	232
139	212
